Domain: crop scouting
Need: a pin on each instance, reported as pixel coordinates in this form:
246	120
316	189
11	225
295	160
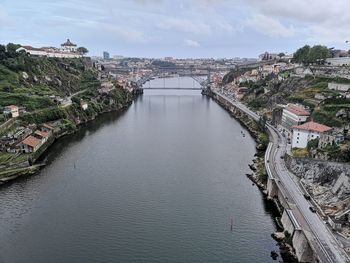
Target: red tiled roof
12	107
298	110
313	126
48	126
42	134
31	141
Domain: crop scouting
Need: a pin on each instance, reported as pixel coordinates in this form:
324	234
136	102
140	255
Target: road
320	237
68	101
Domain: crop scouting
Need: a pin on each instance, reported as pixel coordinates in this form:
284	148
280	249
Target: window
297	138
312	135
297	141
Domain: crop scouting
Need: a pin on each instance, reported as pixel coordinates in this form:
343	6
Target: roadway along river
157	183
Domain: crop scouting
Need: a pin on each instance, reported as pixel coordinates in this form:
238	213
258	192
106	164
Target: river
159	182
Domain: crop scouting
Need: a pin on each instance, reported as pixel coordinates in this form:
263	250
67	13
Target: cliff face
327	182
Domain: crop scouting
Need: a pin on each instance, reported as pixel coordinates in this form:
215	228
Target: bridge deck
170	88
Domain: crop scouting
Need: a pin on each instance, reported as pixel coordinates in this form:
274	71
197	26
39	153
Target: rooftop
68	43
298	110
42	134
31	141
12	107
313	126
48	126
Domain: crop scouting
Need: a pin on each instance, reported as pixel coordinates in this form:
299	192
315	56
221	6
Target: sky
177	28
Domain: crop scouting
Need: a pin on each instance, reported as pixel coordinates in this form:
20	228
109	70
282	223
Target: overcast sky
179	28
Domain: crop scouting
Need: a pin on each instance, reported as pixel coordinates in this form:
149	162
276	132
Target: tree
11	49
301	55
281	54
318	53
2	52
315	54
82	50
312	144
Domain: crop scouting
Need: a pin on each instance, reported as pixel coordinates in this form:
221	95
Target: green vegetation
312	144
45	115
315	54
13	158
82	50
263	139
29	80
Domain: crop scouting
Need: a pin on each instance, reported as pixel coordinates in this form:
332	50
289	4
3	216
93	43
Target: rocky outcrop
327	182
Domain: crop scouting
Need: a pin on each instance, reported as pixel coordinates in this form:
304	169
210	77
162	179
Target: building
47	128
68	46
293	115
341	61
339	87
106	55
11	110
303	133
268	56
67	50
30	144
84	105
42	136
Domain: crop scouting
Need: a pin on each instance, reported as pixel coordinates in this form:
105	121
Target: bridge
170	88
312	240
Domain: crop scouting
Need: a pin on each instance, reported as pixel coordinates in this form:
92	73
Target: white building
339	87
67	50
293	115
68	46
84	105
303	133
11	109
342	61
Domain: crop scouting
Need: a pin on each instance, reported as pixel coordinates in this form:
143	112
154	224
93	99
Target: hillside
29	81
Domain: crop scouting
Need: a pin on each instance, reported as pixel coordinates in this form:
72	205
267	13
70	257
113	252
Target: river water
157	183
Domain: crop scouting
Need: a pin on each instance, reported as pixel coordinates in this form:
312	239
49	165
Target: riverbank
259	173
29	166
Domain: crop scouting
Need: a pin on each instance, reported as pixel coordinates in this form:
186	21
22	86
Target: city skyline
160	28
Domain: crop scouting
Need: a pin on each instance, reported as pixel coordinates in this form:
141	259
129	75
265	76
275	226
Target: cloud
5	20
185	25
125	34
192	43
315	20
269	26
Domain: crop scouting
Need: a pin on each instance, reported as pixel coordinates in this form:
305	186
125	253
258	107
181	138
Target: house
303	133
84	105
42	136
47	128
30	144
11	110
293	114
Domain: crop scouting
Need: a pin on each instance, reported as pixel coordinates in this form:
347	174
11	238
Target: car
307	197
312	209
